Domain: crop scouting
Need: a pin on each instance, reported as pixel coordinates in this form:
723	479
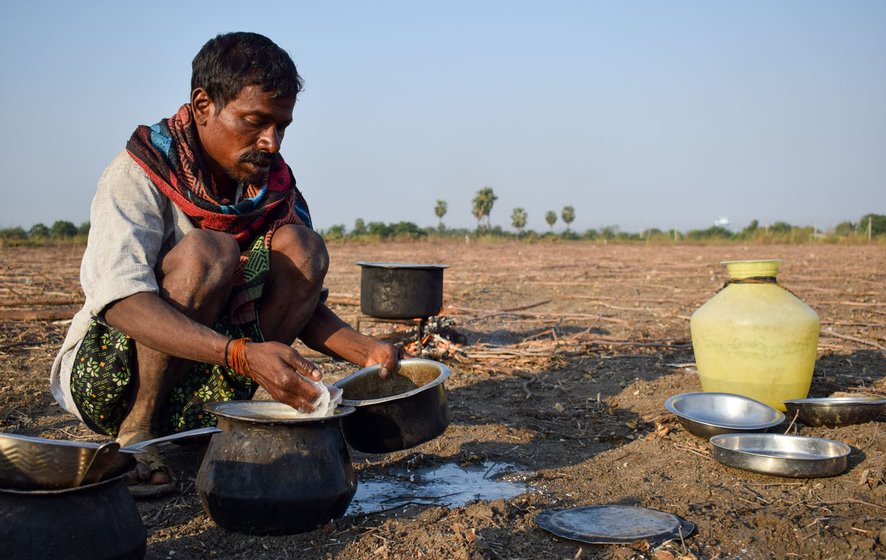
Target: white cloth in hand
325	404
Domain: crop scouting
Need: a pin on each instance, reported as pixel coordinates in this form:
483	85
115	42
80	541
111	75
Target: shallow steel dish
401	411
836	411
710	414
781	454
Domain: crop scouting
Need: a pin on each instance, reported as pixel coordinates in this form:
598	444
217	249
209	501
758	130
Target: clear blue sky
638	114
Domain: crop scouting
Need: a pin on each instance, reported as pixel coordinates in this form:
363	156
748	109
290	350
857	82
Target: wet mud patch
447	485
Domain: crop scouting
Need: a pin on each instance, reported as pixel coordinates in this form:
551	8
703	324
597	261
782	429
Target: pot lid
400	265
613	524
268	412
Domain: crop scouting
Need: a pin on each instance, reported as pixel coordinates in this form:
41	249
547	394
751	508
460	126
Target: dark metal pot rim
401	265
239	411
59	491
53	442
862	400
444	373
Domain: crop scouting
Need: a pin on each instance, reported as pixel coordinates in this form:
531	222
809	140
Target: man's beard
264	159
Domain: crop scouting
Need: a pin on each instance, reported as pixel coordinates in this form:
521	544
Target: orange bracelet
238	357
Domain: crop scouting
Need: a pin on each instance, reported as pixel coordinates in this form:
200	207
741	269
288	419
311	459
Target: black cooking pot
93	522
273	472
401	291
403	410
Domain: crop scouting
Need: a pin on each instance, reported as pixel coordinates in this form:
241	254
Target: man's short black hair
231	61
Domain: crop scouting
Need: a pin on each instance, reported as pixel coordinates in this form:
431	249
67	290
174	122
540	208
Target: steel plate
614	524
781	455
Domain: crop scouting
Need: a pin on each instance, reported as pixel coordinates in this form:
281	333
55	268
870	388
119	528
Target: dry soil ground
572	349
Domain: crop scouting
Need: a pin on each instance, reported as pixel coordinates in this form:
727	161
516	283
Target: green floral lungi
103	376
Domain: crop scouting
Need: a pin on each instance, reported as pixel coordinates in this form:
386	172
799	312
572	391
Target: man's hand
327	333
387	356
279	369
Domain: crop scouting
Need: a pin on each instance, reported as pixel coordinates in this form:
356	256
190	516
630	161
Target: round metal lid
613	524
268	412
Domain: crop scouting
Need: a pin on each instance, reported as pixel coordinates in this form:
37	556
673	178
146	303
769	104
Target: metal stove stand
420	322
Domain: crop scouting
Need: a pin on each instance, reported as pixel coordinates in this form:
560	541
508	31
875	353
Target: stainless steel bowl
836	411
36	463
710	414
781	455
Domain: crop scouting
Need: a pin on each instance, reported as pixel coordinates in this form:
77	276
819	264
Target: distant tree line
59	231
779	232
868	227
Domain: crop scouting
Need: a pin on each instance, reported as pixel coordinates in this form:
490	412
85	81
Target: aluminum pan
781	454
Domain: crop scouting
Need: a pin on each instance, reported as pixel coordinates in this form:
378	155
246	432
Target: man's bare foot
150	478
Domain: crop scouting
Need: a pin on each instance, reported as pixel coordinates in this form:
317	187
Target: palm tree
551	219
482	205
518	220
568	215
440	210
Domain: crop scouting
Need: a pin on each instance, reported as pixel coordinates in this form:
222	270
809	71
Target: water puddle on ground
446	485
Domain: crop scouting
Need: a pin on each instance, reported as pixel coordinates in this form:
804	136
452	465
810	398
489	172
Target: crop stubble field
572	349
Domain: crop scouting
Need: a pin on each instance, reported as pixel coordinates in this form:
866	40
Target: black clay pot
401	291
401	411
270	472
93	522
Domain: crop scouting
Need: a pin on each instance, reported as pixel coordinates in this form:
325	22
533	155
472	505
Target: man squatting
201	267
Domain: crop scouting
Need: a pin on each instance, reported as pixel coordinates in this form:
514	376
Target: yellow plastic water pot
755	338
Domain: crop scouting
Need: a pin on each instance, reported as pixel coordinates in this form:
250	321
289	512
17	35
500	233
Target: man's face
241	141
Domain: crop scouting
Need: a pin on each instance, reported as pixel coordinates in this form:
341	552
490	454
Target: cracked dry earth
571	350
